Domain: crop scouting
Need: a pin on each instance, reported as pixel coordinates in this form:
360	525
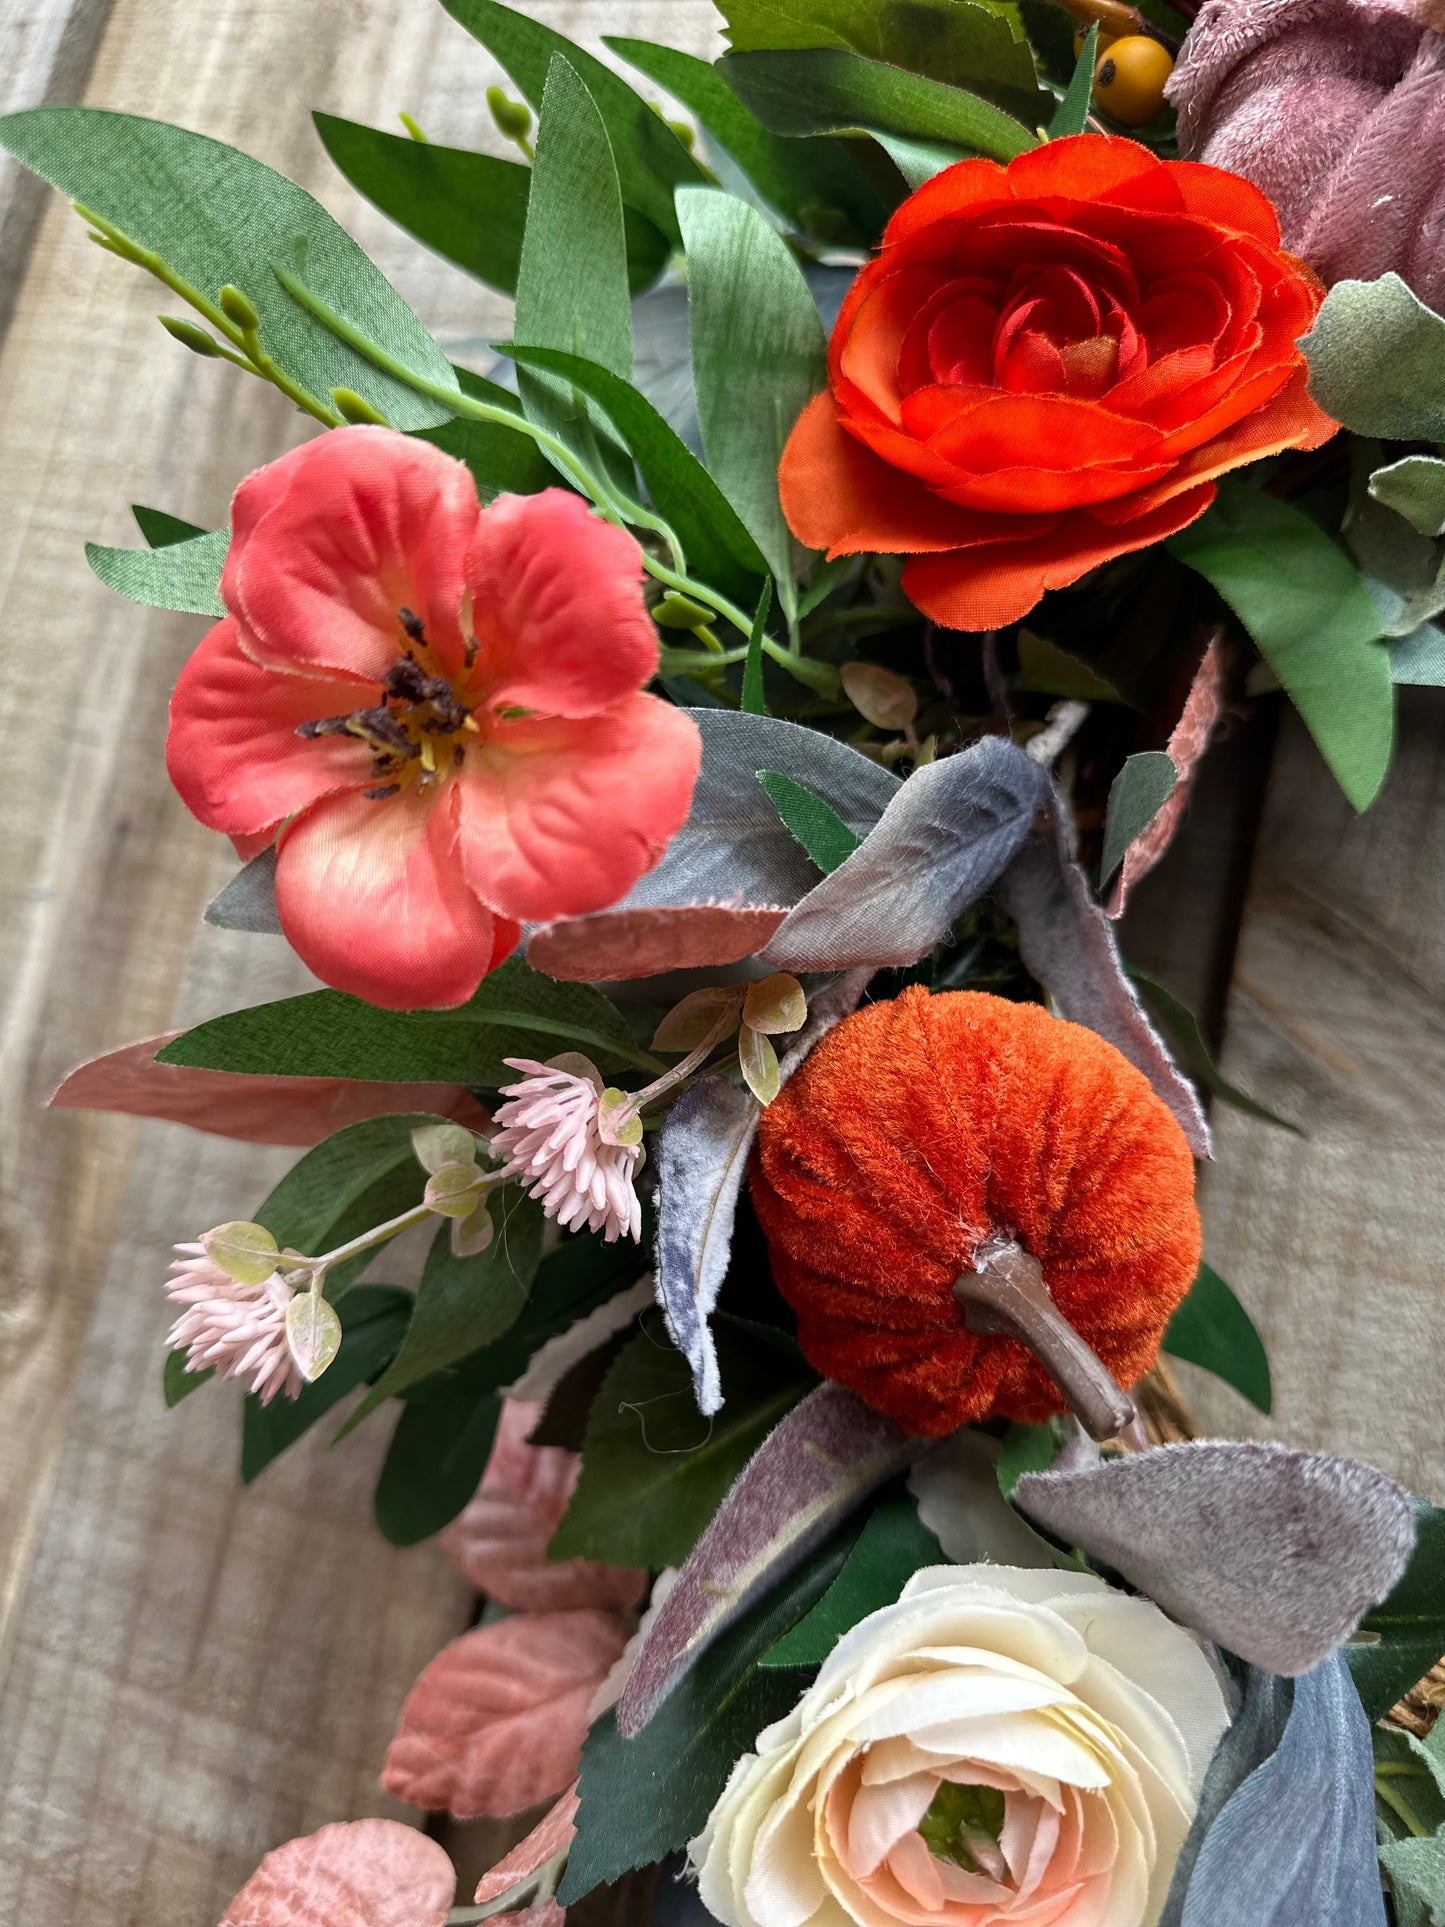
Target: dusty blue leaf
248	902
1274	1554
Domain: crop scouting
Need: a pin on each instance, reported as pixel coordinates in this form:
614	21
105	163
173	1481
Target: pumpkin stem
1005	1294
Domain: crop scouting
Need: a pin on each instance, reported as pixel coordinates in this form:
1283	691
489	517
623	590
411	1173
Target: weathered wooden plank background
190	1673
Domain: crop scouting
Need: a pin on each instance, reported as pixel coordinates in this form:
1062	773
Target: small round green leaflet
759	1065
775	1004
454	1189
441	1144
313	1334
880	697
246	1252
689	1023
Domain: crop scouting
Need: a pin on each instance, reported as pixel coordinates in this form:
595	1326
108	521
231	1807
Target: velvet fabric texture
920	1127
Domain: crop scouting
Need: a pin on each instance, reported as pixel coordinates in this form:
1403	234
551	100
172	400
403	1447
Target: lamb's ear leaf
217	217
1294	1838
816	1467
471	208
1274	1554
651	160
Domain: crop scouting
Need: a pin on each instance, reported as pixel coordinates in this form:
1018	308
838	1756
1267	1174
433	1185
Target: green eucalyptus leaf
1313	620
1415	488
470	208
1136	796
719	549
1193	1055
1377	360
219	218
893	1545
178	1383
1071	116
645	1797
816	185
1404	570
355	1179
463	1304
373	1323
829	91
958	41
435	1461
503	461
160	529
1405	1634
1213	1330
517	1012
758	355
815	824
654	1470
183	575
651	160
572	282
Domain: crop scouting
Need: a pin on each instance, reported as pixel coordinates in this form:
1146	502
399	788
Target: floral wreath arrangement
704	759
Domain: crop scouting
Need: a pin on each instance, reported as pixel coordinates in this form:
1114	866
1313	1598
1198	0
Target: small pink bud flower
549	1138
238	1328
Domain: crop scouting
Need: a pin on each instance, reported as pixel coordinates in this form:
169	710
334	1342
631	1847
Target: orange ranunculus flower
1044	368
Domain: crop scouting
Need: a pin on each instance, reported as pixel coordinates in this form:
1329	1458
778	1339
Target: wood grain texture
191	1672
1336	1019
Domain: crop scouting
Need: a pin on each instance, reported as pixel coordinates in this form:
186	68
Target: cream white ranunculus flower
1001	1748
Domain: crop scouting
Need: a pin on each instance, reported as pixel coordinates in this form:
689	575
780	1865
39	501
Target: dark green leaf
1409	1625
463	1304
517	1012
892	1546
503	461
1136	796
815	184
373	1323
643	1798
572	281
829	91
654	1470
758	355
917	161
564	1421
755	702
218	217
435	1462
1026	1448
1314	621
183	575
1071	116
471	208
651	160
178	1383
353	1180
1181	1027
957	41
1051	35
816	824
1213	1330
719	549
160	529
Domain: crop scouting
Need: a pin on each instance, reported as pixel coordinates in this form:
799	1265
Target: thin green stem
1401	1808
118	242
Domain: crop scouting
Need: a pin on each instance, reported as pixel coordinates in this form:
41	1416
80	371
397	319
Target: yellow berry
1129	79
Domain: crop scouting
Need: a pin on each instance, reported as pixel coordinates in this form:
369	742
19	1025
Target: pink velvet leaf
496	1723
1186	746
500	1541
645	940
258	1110
553	1833
813	1469
354	1873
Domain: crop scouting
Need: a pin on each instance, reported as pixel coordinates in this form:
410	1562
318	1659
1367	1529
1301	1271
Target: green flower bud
513	117
680	612
356	408
190	336
239	309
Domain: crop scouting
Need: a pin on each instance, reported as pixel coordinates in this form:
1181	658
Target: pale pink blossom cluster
549	1138
238	1329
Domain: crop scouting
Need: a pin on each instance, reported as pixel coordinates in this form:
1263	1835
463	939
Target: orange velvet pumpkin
917	1129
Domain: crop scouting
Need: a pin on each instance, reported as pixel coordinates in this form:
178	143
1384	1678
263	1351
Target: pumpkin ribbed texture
920	1127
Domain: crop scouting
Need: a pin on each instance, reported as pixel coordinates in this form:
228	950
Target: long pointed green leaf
1213	1330
1071	116
651	160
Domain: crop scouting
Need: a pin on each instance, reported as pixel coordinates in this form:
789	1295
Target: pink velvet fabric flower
1336	109
547	1133
235	1329
437	708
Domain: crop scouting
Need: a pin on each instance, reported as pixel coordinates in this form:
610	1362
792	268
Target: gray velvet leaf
943	840
702	1154
1068	943
1275	1555
1294	1846
248	901
814	1468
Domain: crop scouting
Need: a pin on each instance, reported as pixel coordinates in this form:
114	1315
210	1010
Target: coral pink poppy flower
439	707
